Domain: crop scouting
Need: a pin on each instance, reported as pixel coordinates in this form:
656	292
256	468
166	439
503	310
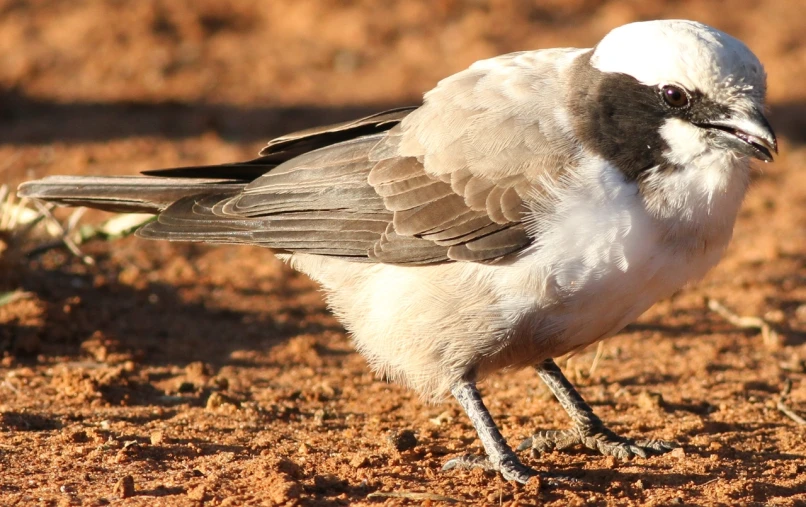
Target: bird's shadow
28	120
152	322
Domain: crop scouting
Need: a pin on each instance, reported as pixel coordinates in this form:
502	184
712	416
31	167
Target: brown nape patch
620	119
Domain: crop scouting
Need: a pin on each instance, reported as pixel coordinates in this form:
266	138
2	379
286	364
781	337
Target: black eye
674	96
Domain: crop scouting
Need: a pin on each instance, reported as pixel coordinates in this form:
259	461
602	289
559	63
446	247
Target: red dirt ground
170	374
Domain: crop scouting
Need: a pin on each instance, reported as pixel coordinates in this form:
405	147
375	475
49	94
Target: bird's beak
747	133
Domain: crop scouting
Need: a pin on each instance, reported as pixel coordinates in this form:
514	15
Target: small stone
359	461
283	490
197	370
403	440
186	387
157	437
319	417
640	484
327	391
678	453
222	383
124	487
444	417
288	467
78	436
199	493
329	482
610	462
303	448
650	400
218	400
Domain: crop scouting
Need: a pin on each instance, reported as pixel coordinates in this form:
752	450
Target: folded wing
451	180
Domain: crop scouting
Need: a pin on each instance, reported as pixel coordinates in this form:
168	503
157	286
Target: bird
533	204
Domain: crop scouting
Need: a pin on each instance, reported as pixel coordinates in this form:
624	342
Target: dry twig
64	233
596	358
784	408
413	495
768	334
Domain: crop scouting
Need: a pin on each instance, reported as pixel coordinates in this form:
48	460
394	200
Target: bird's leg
588	429
500	456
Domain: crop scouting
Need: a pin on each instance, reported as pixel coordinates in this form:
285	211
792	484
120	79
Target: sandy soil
185	375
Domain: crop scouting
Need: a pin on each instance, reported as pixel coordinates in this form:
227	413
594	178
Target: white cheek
706	188
686	141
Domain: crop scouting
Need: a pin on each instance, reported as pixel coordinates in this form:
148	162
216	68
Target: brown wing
285	148
471	217
449	181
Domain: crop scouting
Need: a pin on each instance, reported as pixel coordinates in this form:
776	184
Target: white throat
701	196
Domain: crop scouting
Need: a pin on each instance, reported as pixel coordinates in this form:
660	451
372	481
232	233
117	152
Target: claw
511	470
526	444
657	446
601	440
450	464
468	461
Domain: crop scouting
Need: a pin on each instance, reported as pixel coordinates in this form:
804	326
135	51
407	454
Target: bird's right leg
500	456
588	429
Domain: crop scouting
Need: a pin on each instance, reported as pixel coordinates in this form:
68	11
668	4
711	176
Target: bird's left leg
588	429
500	456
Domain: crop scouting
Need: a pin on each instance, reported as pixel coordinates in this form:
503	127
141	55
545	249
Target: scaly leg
588	429
500	456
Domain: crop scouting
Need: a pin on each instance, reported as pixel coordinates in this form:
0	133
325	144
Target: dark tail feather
128	194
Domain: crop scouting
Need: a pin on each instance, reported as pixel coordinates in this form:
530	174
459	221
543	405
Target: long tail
128	194
161	188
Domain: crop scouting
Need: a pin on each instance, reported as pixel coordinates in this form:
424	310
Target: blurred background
141	333
240	71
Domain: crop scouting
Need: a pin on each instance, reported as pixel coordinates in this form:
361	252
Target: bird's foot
599	439
510	467
512	471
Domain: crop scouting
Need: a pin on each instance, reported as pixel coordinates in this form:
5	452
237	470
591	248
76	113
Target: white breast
604	256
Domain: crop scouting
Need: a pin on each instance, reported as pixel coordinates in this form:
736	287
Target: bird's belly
602	307
585	297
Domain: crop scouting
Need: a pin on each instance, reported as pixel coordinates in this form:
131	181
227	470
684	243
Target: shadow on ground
26	120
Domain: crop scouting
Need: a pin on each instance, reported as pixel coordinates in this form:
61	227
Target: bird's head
671	92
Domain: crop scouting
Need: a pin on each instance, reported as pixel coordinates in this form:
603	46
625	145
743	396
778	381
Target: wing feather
451	180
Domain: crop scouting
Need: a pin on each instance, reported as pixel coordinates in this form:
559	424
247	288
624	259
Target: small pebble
444	417
650	401
157	437
403	440
214	401
319	417
359	461
124	487
678	453
198	493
